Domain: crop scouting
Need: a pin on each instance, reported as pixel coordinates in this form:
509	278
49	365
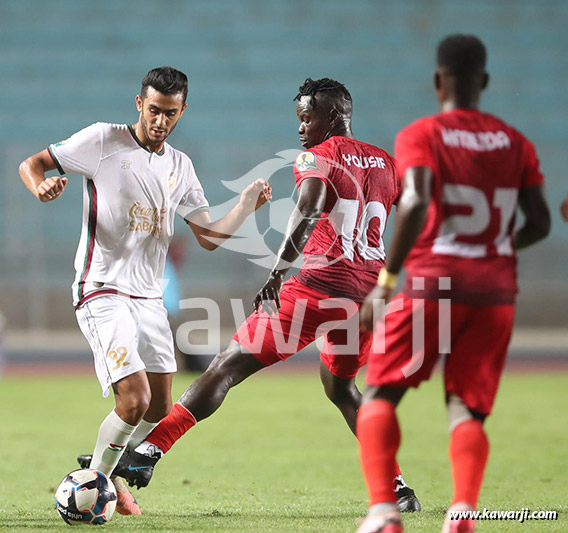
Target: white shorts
126	336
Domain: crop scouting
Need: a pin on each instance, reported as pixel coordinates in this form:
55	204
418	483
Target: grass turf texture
277	457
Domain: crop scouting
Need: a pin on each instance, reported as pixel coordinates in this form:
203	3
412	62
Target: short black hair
462	55
333	90
166	80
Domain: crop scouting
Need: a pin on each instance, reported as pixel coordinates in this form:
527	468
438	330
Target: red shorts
306	314
476	339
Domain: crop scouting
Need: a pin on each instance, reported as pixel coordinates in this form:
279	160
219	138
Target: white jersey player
134	184
130	198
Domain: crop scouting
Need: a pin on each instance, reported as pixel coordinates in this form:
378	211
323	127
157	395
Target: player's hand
564	209
51	188
256	195
268	297
374	306
264	196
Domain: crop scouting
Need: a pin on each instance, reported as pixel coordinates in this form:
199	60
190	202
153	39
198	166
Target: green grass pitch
277	457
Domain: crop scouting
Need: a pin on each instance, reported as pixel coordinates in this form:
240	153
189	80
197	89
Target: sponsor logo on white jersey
146	219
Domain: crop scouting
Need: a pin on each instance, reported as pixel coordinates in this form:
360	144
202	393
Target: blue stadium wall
68	63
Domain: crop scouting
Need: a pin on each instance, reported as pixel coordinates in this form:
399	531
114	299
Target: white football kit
130	198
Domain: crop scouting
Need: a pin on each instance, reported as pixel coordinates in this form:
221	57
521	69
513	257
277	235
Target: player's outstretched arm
410	216
211	234
301	224
32	171
537	217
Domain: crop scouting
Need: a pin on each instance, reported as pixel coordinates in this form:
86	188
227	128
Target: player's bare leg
161	401
132	397
345	395
229	368
200	400
160	406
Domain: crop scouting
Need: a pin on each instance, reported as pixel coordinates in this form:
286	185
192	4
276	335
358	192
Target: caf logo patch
306	161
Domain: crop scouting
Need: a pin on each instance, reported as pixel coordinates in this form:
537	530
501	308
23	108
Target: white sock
142	431
111	441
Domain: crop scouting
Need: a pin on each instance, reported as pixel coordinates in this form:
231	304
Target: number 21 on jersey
475	223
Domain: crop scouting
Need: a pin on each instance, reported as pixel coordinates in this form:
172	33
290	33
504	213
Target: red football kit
342	259
464	253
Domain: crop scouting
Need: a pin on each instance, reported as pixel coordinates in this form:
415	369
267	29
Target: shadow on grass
33	524
278	520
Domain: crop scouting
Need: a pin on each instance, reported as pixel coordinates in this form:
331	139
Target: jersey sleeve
397	179
532	174
311	164
81	153
412	148
194	198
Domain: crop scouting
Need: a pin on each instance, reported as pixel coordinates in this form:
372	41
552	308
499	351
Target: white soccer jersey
130	197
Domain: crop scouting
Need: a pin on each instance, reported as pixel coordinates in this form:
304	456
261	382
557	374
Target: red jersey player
464	175
346	189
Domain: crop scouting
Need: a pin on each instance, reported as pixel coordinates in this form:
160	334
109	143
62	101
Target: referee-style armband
387	279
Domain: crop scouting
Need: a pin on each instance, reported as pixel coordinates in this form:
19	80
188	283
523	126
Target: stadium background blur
66	64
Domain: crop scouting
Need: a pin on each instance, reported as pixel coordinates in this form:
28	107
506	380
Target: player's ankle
149	450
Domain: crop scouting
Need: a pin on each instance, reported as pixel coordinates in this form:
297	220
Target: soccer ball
86	497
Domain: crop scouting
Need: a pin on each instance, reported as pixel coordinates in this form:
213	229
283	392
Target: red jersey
478	163
345	252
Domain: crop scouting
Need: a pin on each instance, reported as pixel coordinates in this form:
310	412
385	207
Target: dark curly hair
334	92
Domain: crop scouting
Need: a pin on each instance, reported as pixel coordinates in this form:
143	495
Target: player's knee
217	361
338	390
225	357
132	408
232	366
459	412
141	402
133	397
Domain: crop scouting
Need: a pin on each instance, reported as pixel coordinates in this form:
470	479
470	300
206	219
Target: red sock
172	427
469	449
379	439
